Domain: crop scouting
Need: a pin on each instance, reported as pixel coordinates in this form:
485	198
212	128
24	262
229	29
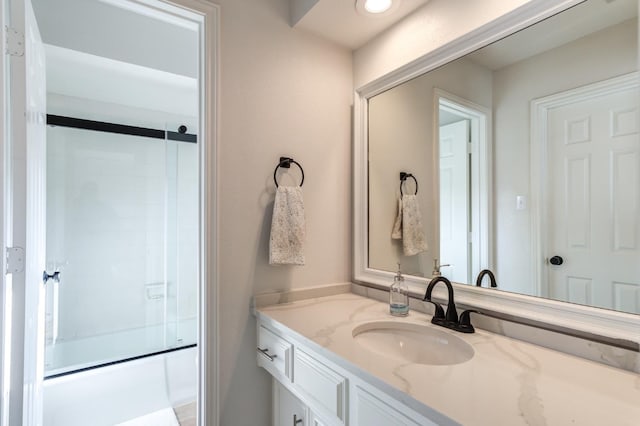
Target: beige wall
282	92
401	132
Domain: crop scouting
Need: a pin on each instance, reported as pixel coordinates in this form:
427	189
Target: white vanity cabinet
321	385
315	420
309	390
371	410
275	354
287	409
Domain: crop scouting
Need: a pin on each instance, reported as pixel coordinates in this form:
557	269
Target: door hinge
14	41
15	260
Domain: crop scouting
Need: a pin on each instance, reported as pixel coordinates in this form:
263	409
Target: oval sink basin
413	343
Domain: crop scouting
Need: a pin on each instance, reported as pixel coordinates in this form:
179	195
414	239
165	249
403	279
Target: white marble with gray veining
595	351
507	382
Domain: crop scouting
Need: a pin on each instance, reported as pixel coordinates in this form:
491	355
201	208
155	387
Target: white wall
282	92
605	54
401	132
430	27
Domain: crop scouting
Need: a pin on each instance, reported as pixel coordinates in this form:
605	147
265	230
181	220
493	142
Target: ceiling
109	29
340	22
563	28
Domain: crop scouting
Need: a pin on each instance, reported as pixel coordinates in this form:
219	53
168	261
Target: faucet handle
465	325
439	312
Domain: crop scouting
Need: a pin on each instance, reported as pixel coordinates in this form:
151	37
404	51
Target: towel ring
403	177
285	162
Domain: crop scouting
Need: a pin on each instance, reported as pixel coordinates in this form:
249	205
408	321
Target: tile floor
186	414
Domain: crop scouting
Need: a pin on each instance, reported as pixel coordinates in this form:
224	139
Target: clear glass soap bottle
399	296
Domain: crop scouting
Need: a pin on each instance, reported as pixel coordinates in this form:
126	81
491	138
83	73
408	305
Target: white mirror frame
618	328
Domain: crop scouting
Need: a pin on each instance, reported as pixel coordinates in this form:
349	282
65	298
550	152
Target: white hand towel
413	238
287	227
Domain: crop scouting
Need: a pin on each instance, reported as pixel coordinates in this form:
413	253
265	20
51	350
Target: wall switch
521	202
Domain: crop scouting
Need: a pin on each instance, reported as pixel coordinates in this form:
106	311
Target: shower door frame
206	15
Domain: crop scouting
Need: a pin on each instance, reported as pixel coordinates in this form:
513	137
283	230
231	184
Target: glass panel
187	201
121	232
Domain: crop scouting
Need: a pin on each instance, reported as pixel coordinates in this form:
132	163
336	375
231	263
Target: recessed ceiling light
374	8
377	6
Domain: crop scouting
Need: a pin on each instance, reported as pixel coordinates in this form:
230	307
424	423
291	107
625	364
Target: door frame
540	109
481	193
206	15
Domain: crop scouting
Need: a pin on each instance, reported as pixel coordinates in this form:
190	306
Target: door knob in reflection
556	260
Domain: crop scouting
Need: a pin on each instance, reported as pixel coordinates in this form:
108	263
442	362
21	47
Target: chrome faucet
436	268
492	278
450	318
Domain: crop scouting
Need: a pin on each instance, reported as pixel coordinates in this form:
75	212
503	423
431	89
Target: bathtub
147	387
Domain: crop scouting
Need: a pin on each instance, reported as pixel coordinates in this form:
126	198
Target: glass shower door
120	229
182	243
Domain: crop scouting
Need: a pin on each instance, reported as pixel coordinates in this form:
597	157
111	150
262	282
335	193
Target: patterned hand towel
396	233
413	238
287	227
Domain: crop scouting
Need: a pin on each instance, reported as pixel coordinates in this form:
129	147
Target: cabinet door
287	409
371	411
323	386
315	420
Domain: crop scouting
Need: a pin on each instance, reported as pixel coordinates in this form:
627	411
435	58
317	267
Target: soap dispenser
399	296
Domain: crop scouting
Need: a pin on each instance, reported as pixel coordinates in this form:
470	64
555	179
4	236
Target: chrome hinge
14	41
15	260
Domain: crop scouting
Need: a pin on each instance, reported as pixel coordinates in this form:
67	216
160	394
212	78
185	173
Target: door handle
556	260
296	420
46	277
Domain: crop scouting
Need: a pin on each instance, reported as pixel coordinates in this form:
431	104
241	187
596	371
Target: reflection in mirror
527	154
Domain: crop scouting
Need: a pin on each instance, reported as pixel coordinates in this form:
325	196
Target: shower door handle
46	277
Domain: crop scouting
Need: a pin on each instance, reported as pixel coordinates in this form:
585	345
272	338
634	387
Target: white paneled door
594	201
454	201
25	216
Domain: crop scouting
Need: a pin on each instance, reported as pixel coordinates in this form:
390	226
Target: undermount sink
413	343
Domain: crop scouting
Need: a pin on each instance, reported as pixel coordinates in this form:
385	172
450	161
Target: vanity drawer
274	354
322	384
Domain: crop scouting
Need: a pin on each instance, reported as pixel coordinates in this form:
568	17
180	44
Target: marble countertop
507	382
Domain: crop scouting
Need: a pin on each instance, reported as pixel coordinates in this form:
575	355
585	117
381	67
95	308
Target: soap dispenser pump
399	296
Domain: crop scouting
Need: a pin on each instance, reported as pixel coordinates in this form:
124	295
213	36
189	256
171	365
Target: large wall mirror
524	158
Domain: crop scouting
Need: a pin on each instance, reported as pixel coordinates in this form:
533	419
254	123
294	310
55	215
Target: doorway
463	152
105	325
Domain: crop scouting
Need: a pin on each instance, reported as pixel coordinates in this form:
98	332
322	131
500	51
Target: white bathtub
121	392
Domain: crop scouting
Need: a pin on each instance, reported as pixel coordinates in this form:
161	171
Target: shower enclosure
101	307
122	243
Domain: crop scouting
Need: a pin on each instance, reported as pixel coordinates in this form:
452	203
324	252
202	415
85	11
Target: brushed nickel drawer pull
265	352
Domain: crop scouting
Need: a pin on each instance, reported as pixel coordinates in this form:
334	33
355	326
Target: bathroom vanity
328	371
